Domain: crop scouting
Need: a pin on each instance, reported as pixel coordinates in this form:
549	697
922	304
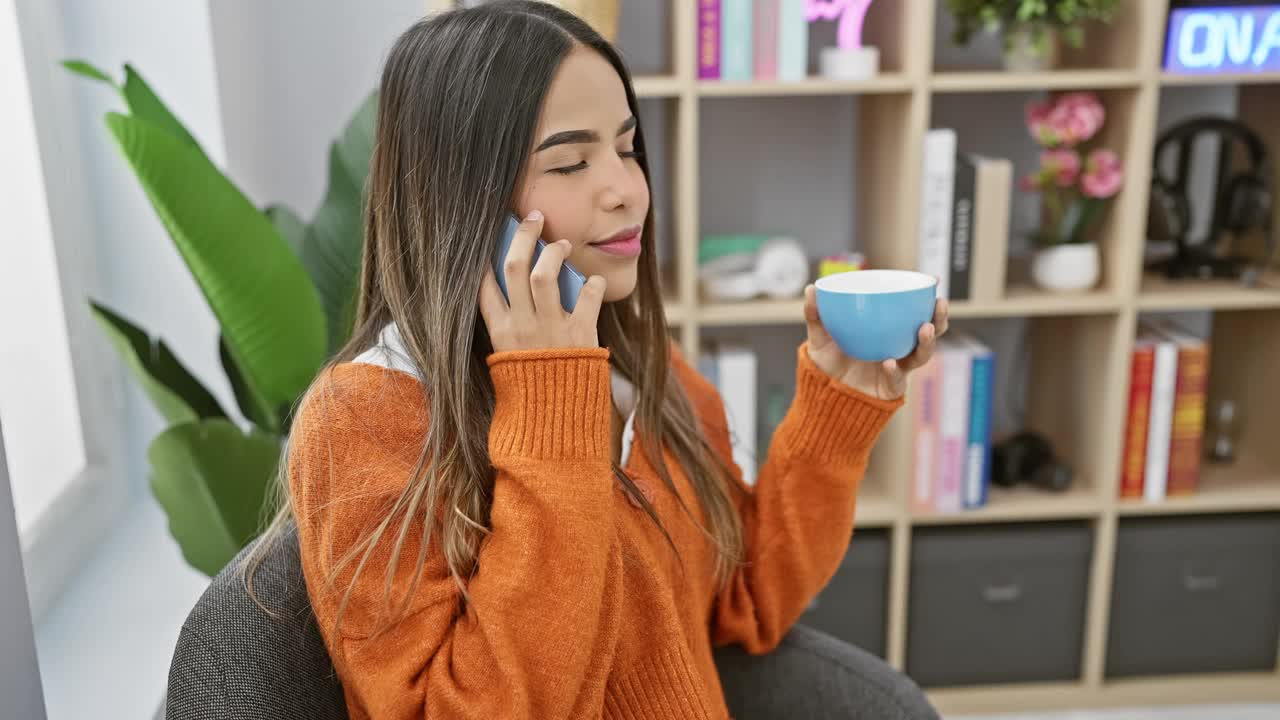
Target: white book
937	185
1164	380
736	376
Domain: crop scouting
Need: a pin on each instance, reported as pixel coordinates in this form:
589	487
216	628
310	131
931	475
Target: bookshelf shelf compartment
1159	293
658	86
1260	78
1022	504
1246	486
1025	301
959	82
874	509
886	83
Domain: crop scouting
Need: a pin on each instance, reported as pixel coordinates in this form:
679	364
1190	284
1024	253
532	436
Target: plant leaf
290	226
331	250
176	393
251	407
356	143
146	105
83	68
212	481
257	288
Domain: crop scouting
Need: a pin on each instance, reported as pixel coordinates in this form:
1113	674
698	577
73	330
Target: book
962	210
953	423
937	181
1190	391
1164	375
977	466
708	39
925	383
735	40
765	39
1134	458
736	372
989	240
793	40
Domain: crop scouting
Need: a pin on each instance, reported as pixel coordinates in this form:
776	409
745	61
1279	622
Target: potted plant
283	291
1075	187
1031	30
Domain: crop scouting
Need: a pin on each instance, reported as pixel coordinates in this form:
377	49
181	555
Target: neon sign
1223	40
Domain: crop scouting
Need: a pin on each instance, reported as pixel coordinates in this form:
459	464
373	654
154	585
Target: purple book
708	39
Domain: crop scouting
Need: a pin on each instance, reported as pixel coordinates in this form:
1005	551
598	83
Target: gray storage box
853	606
1195	595
998	603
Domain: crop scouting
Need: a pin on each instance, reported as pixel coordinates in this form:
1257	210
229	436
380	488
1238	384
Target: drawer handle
1200	583
1002	593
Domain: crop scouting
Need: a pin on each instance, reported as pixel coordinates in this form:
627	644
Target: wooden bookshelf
1082	380
1089	334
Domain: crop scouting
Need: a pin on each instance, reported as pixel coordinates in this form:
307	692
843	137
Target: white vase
1067	268
1023	56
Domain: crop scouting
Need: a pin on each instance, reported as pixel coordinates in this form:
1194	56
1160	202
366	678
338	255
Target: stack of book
951	462
964	224
732	368
744	40
1164	431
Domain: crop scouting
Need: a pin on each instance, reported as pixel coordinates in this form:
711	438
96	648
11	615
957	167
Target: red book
1134	459
1189	398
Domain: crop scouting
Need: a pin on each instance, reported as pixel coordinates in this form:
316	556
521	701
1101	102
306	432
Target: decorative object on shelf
1242	202
1031	30
601	15
1226	428
849	59
1027	458
841	262
1214	40
742	267
875	315
1075	189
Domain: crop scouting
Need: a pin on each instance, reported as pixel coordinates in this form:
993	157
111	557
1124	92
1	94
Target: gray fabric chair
233	662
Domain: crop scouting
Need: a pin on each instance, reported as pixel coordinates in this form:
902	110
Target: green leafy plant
1039	18
283	293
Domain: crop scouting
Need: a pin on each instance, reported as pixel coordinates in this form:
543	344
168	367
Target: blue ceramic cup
875	315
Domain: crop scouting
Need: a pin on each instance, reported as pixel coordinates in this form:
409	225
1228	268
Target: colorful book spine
1186	436
793	40
1134	459
954	419
926	380
765	48
736	372
708	39
735	40
977	471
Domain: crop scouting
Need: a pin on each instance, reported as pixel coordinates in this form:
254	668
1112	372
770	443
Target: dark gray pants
814	675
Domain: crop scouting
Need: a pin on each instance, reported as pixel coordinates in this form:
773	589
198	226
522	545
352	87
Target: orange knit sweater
579	608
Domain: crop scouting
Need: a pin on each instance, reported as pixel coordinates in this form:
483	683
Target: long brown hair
459	100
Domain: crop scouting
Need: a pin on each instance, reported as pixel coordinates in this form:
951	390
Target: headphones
743	267
1243	199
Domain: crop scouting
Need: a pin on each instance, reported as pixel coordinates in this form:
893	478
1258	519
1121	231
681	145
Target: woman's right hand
534	318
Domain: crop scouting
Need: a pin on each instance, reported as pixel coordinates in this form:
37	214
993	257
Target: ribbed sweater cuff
829	421
551	404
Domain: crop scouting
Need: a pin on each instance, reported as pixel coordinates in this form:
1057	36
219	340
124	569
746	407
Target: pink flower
1069	120
1102	175
1060	166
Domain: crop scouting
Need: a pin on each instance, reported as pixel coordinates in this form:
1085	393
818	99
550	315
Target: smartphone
570	280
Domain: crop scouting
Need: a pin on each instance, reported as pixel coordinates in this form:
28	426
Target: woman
509	510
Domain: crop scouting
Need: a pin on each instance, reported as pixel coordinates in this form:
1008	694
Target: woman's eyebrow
582	136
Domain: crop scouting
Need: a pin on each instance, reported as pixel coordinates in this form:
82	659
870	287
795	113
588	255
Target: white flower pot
1066	268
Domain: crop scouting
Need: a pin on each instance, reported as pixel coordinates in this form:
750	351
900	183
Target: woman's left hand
884	380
